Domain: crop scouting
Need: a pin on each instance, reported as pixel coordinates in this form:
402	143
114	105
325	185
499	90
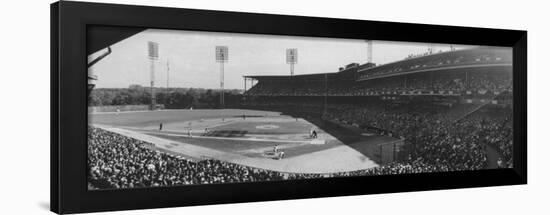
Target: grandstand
478	72
453	99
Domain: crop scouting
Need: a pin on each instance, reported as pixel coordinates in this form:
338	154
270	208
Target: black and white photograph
178	107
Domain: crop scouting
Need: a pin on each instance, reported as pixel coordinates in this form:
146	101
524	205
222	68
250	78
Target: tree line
172	98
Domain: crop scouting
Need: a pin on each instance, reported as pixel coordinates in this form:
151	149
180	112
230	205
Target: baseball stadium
437	111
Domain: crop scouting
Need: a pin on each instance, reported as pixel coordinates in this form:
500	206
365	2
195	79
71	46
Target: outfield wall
114	108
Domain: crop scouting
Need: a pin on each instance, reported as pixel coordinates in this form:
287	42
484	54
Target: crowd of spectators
117	161
498	133
433	137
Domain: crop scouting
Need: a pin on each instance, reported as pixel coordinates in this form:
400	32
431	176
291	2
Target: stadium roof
465	58
458	59
287	77
348	73
446	54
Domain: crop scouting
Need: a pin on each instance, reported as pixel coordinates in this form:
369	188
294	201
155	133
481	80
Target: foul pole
326	95
167	82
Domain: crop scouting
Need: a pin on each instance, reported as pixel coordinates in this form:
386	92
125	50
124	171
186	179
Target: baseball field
262	139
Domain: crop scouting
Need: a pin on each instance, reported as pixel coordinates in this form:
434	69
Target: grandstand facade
468	76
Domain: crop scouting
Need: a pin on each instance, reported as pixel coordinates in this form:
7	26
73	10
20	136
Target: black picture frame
69	22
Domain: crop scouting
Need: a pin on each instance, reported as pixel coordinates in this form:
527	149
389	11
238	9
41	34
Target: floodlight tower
153	49
292	58
222	56
369	51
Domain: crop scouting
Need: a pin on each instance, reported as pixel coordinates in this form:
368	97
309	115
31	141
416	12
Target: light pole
292	58
153	50
222	56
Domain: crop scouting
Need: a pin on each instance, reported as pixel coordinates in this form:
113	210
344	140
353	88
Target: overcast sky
192	59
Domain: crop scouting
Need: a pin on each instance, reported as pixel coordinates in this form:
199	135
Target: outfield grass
154	118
